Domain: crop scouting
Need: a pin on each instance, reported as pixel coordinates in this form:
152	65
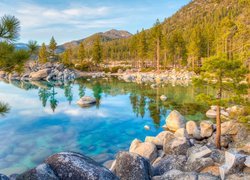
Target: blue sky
69	20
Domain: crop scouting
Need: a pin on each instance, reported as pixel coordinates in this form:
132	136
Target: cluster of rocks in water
185	150
182	76
36	72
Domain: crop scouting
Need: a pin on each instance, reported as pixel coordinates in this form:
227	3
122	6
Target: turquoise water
44	118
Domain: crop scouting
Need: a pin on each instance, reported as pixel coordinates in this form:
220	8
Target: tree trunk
158	54
218	128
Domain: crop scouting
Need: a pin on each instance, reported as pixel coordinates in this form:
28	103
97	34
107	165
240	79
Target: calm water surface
44	118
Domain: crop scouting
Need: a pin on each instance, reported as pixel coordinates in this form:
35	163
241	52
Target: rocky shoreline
58	72
38	72
184	150
157	78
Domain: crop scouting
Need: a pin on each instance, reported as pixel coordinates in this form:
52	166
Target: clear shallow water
45	119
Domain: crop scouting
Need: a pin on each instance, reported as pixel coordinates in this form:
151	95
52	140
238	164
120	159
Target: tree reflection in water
4	108
143	98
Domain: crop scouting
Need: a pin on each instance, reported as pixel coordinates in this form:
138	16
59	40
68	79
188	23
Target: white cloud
41	19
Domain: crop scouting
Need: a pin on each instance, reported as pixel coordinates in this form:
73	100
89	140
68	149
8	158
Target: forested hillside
200	29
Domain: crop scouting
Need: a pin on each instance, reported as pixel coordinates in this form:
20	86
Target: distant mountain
21	46
105	37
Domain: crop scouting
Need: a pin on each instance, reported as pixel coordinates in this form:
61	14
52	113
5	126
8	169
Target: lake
44	118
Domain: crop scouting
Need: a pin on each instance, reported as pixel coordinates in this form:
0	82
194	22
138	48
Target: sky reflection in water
45	119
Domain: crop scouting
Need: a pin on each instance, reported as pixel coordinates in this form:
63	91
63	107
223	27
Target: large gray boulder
168	163
40	75
131	166
41	172
147	150
175	121
72	166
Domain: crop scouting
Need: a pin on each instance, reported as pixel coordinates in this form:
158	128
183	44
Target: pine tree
157	38
224	76
81	52
97	51
67	57
142	47
43	54
52	46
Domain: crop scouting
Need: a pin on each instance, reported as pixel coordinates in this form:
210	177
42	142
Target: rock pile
185	152
36	72
156	79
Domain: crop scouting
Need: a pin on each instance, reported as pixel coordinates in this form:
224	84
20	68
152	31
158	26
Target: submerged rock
175	121
131	166
86	101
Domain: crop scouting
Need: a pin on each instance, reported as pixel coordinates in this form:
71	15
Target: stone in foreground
175	121
73	166
131	166
86	101
41	172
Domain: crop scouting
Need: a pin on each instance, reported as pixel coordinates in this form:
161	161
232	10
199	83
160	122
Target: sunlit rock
163	97
206	128
175	121
147	150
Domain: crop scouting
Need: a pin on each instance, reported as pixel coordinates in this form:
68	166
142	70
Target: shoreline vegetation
205	42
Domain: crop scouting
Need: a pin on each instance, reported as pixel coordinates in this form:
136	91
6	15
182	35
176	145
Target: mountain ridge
106	36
